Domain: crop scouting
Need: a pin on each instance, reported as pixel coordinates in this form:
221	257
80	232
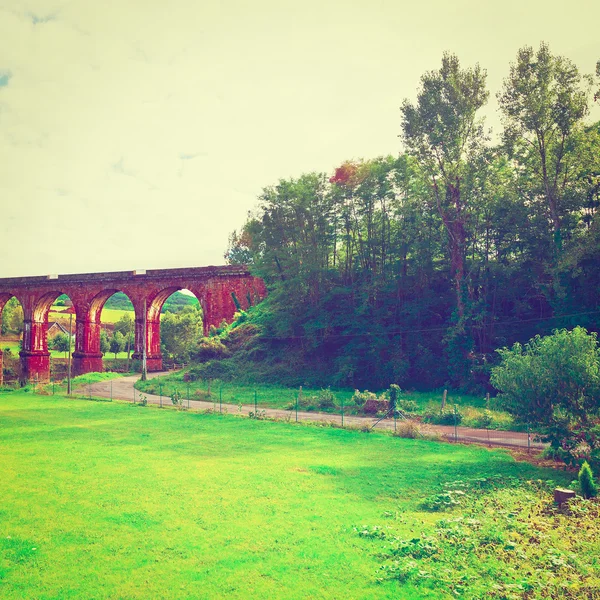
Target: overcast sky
138	134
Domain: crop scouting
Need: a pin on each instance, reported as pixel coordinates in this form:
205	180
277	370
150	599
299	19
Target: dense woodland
414	269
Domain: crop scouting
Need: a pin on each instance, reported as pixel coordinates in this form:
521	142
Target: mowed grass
110	500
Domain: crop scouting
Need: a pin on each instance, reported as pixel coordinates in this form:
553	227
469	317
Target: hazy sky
138	134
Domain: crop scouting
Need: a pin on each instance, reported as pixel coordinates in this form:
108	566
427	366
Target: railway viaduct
214	287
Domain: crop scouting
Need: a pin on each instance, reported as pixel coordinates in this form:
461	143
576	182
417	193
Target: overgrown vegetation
500	537
414	269
554	381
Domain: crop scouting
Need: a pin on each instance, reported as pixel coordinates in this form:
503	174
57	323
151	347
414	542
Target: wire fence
247	402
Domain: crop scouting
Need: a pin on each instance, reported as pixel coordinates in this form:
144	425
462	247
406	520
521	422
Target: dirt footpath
122	388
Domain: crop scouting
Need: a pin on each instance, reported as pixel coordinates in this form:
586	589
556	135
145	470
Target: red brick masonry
213	286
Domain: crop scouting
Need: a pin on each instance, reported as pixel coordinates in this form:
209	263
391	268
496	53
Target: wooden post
298	398
444	399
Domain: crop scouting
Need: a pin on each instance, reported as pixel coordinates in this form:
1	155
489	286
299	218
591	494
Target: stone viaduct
213	286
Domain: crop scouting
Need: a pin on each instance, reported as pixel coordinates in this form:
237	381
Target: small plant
445	501
143	400
393	396
259	414
586	481
325	399
176	398
408	429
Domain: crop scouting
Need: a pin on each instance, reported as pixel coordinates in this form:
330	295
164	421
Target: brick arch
87	357
35	356
155	303
213	286
4	298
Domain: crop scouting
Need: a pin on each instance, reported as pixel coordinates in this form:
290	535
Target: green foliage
11	321
176	398
124	325
104	341
60	342
447	416
554	381
209	348
413	269
393	396
120	301
180	332
508	531
117	343
586	481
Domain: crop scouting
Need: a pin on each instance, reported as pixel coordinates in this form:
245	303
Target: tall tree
443	131
543	102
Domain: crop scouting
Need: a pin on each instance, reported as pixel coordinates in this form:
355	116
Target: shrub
407	429
210	348
408	406
586	481
443	417
325	399
393	396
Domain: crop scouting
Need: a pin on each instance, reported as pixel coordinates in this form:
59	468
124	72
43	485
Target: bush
443	417
408	429
325	399
210	349
407	406
554	381
586	481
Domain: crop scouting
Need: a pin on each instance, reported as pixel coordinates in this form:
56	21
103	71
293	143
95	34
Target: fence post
255	403
455	424
160	392
444	399
221	399
297	399
111	390
134	393
342	410
528	439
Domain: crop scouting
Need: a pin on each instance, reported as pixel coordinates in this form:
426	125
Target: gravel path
122	389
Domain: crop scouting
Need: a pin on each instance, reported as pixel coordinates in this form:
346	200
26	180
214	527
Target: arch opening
48	330
174	325
105	339
11	337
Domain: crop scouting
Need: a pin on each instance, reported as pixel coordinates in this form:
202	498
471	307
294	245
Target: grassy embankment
472	408
104	500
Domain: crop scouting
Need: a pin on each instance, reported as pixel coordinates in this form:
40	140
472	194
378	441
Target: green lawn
111	500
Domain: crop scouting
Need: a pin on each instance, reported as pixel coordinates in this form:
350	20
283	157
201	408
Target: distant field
108	315
14	348
111	500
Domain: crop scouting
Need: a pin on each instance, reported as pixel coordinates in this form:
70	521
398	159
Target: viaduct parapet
213	286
